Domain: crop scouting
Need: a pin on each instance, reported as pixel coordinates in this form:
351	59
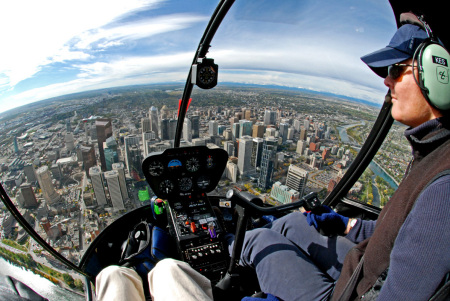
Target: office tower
129	141
154	120
247	114
145	124
56	171
97	183
164	112
326	153
70	144
164	129
29	173
213	128
68	127
112	179
104	130
228	134
231	171
111	154
290	133
301	146
284	131
270	117
27	193
270	132
187	130
221	129
195	123
245	154
16	146
303	133
297	125
88	157
229	147
45	183
267	162
120	168
284	194
233	120
296	179
135	162
257	147
148	138
216	140
235	131
245	128
172	128
258	130
306	124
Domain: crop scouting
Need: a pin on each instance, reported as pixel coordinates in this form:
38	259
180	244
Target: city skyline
153	41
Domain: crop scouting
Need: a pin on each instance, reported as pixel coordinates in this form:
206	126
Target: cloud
35	33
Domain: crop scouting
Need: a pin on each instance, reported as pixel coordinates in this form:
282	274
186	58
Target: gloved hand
325	219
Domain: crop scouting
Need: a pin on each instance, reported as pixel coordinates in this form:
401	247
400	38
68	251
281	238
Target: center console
197	232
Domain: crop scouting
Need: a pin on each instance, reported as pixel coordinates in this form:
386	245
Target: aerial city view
72	165
86	101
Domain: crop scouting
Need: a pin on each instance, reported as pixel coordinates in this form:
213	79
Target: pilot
405	254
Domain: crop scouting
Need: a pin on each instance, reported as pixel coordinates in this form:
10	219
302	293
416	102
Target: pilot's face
409	106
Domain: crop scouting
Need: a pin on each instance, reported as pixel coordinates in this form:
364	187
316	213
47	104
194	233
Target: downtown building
245	154
115	194
51	196
97	183
268	158
296	179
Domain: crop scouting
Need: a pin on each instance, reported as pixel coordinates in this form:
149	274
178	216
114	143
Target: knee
168	265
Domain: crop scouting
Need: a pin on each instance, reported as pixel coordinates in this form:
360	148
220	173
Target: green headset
433	64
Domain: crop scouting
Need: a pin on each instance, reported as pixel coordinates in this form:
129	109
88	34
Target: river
39	284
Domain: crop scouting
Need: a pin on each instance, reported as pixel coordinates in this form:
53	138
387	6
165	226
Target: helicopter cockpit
292	122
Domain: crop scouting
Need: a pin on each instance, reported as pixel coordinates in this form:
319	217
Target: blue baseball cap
401	47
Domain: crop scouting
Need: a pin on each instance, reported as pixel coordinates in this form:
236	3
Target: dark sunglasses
396	70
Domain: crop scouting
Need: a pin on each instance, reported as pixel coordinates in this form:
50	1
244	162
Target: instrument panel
184	171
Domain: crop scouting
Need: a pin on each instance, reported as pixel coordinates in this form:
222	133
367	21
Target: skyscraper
257	148
29	173
187	130
97	183
195	123
229	147
284	131
270	117
154	120
245	154
88	157
104	131
258	130
235	130
119	167
129	141
296	179
145	124
110	150
245	128
148	138
112	178
45	182
70	144
28	196
164	129
213	128
267	162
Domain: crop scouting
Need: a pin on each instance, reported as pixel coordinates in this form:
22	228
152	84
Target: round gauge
210	162
206	75
155	168
203	182
166	186
185	184
192	164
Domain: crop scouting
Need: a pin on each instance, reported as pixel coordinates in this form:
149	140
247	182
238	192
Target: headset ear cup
433	61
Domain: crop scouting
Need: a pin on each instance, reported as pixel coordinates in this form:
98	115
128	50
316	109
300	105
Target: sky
52	47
